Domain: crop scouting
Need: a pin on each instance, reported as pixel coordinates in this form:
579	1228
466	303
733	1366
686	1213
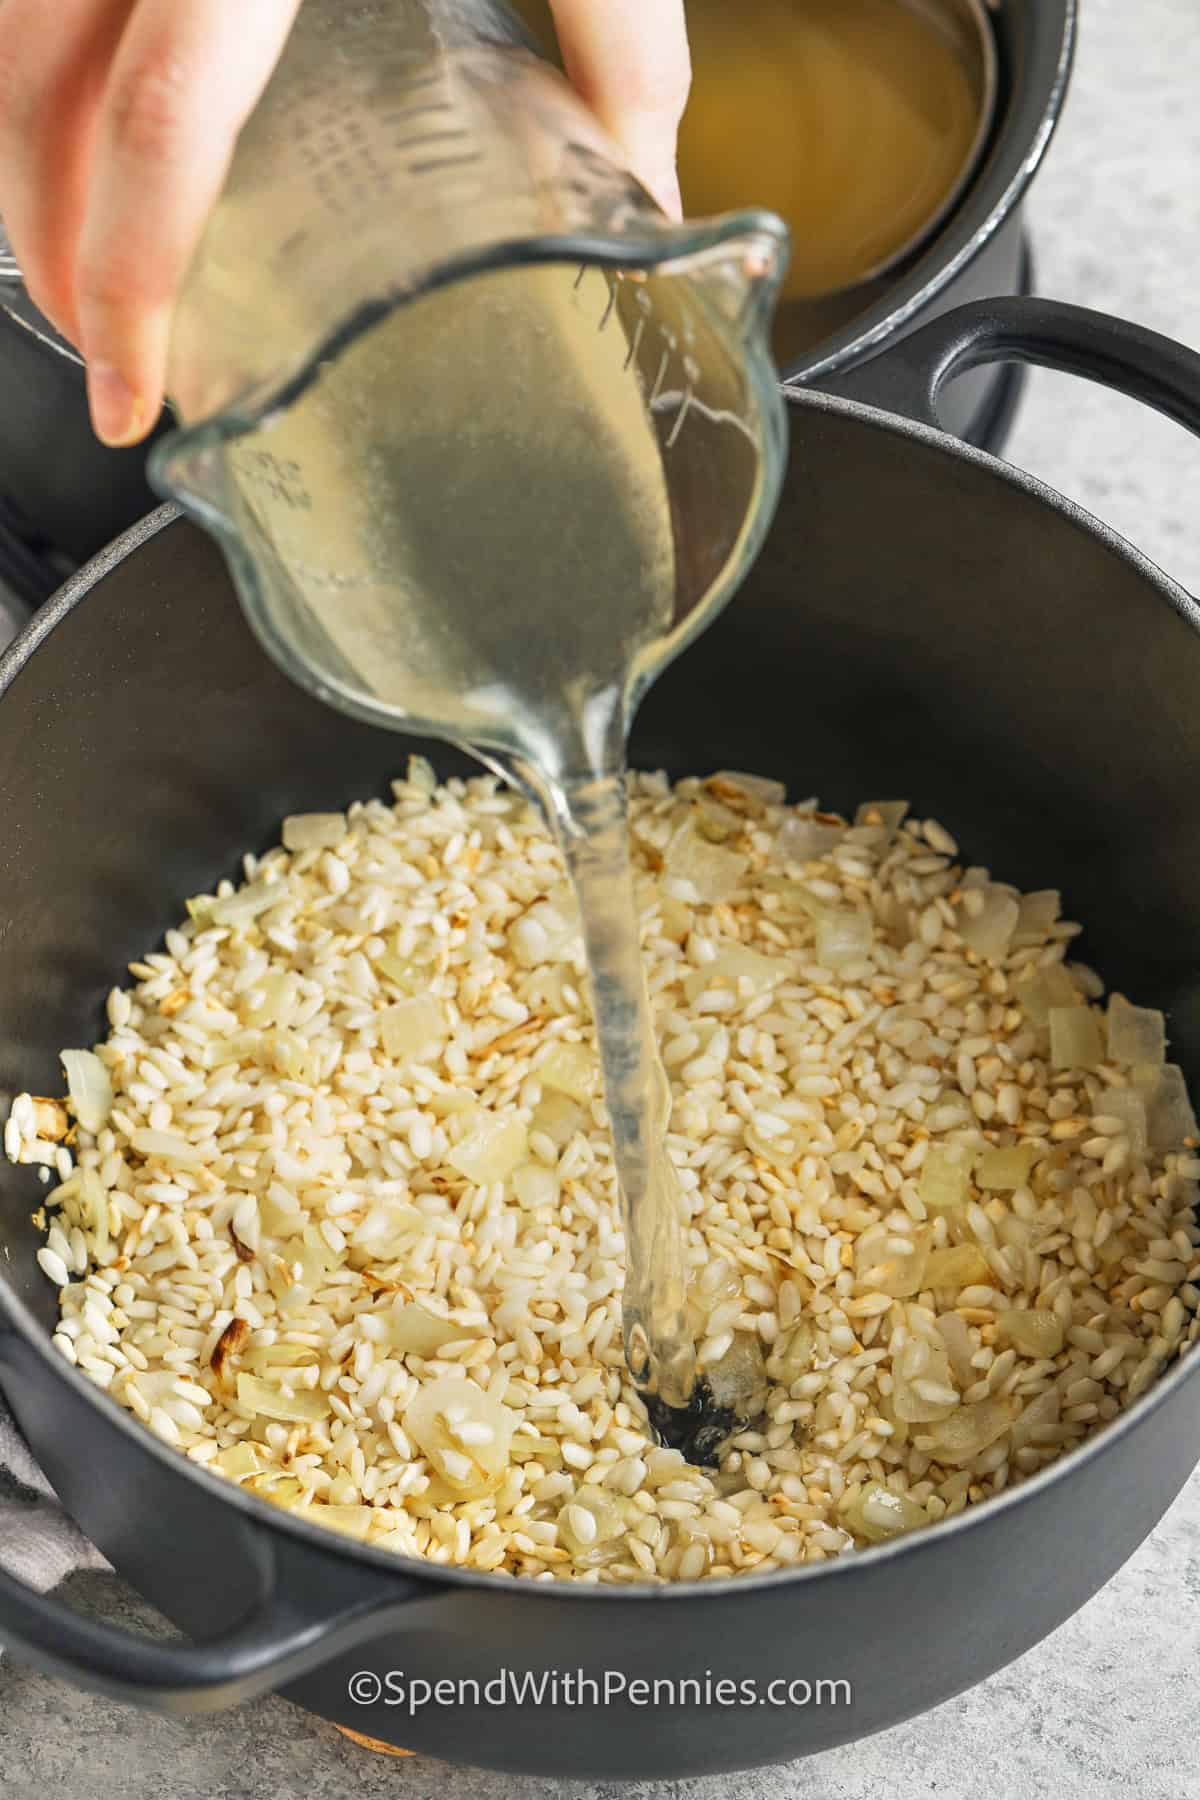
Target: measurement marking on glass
433	137
445	162
658	379
680	416
406	115
606	315
635	343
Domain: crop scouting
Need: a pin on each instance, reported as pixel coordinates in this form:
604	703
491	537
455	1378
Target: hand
629	60
118	120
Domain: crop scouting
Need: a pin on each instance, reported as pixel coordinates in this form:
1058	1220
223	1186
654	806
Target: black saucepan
923	621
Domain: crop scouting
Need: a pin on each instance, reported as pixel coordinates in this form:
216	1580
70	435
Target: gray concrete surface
1107	1706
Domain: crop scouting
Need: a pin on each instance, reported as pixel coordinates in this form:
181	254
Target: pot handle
908	377
311	1604
289	1631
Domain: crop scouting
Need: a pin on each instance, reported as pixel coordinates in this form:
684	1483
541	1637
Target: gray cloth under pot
38	1542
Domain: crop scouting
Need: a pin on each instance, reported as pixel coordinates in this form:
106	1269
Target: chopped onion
491	1152
1003	1171
276	1356
759	787
713	872
464	1433
1046	987
714	822
1036	1330
314	831
1076	1041
946	1177
1127	1108
387	1220
591	1523
1038	912
446	1101
239	1460
280	1490
899	1274
956	1336
1044	1409
884	816
89	1088
534	1185
922	1387
880	1513
413	1028
410	974
421	774
569	1069
990	932
843	936
413	1331
795	899
792	1354
733	966
805	840
557	1117
351	1521
961	1436
268	1401
717	1281
1169	1116
313	1263
963	1265
1136	1034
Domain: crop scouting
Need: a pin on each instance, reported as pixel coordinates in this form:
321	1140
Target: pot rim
16	1317
998	185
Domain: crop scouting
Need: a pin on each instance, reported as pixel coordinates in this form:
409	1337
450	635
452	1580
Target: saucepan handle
290	1629
304	1605
909	376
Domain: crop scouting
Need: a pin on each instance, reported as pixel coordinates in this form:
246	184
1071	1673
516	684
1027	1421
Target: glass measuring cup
486	441
421	226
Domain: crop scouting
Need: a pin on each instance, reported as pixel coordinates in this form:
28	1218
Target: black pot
78	495
923	620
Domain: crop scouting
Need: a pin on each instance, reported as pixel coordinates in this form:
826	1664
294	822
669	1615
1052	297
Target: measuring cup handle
910	375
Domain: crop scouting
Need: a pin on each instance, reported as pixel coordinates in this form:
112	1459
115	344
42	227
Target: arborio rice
338	1217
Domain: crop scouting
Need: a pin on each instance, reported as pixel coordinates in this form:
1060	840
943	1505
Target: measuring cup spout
189	468
738	260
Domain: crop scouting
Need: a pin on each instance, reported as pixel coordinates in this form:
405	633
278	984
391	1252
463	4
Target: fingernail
118	416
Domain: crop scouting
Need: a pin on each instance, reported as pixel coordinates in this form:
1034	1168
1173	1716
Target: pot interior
921	625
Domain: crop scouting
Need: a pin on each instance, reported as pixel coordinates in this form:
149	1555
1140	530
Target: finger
183	82
54	61
629	60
